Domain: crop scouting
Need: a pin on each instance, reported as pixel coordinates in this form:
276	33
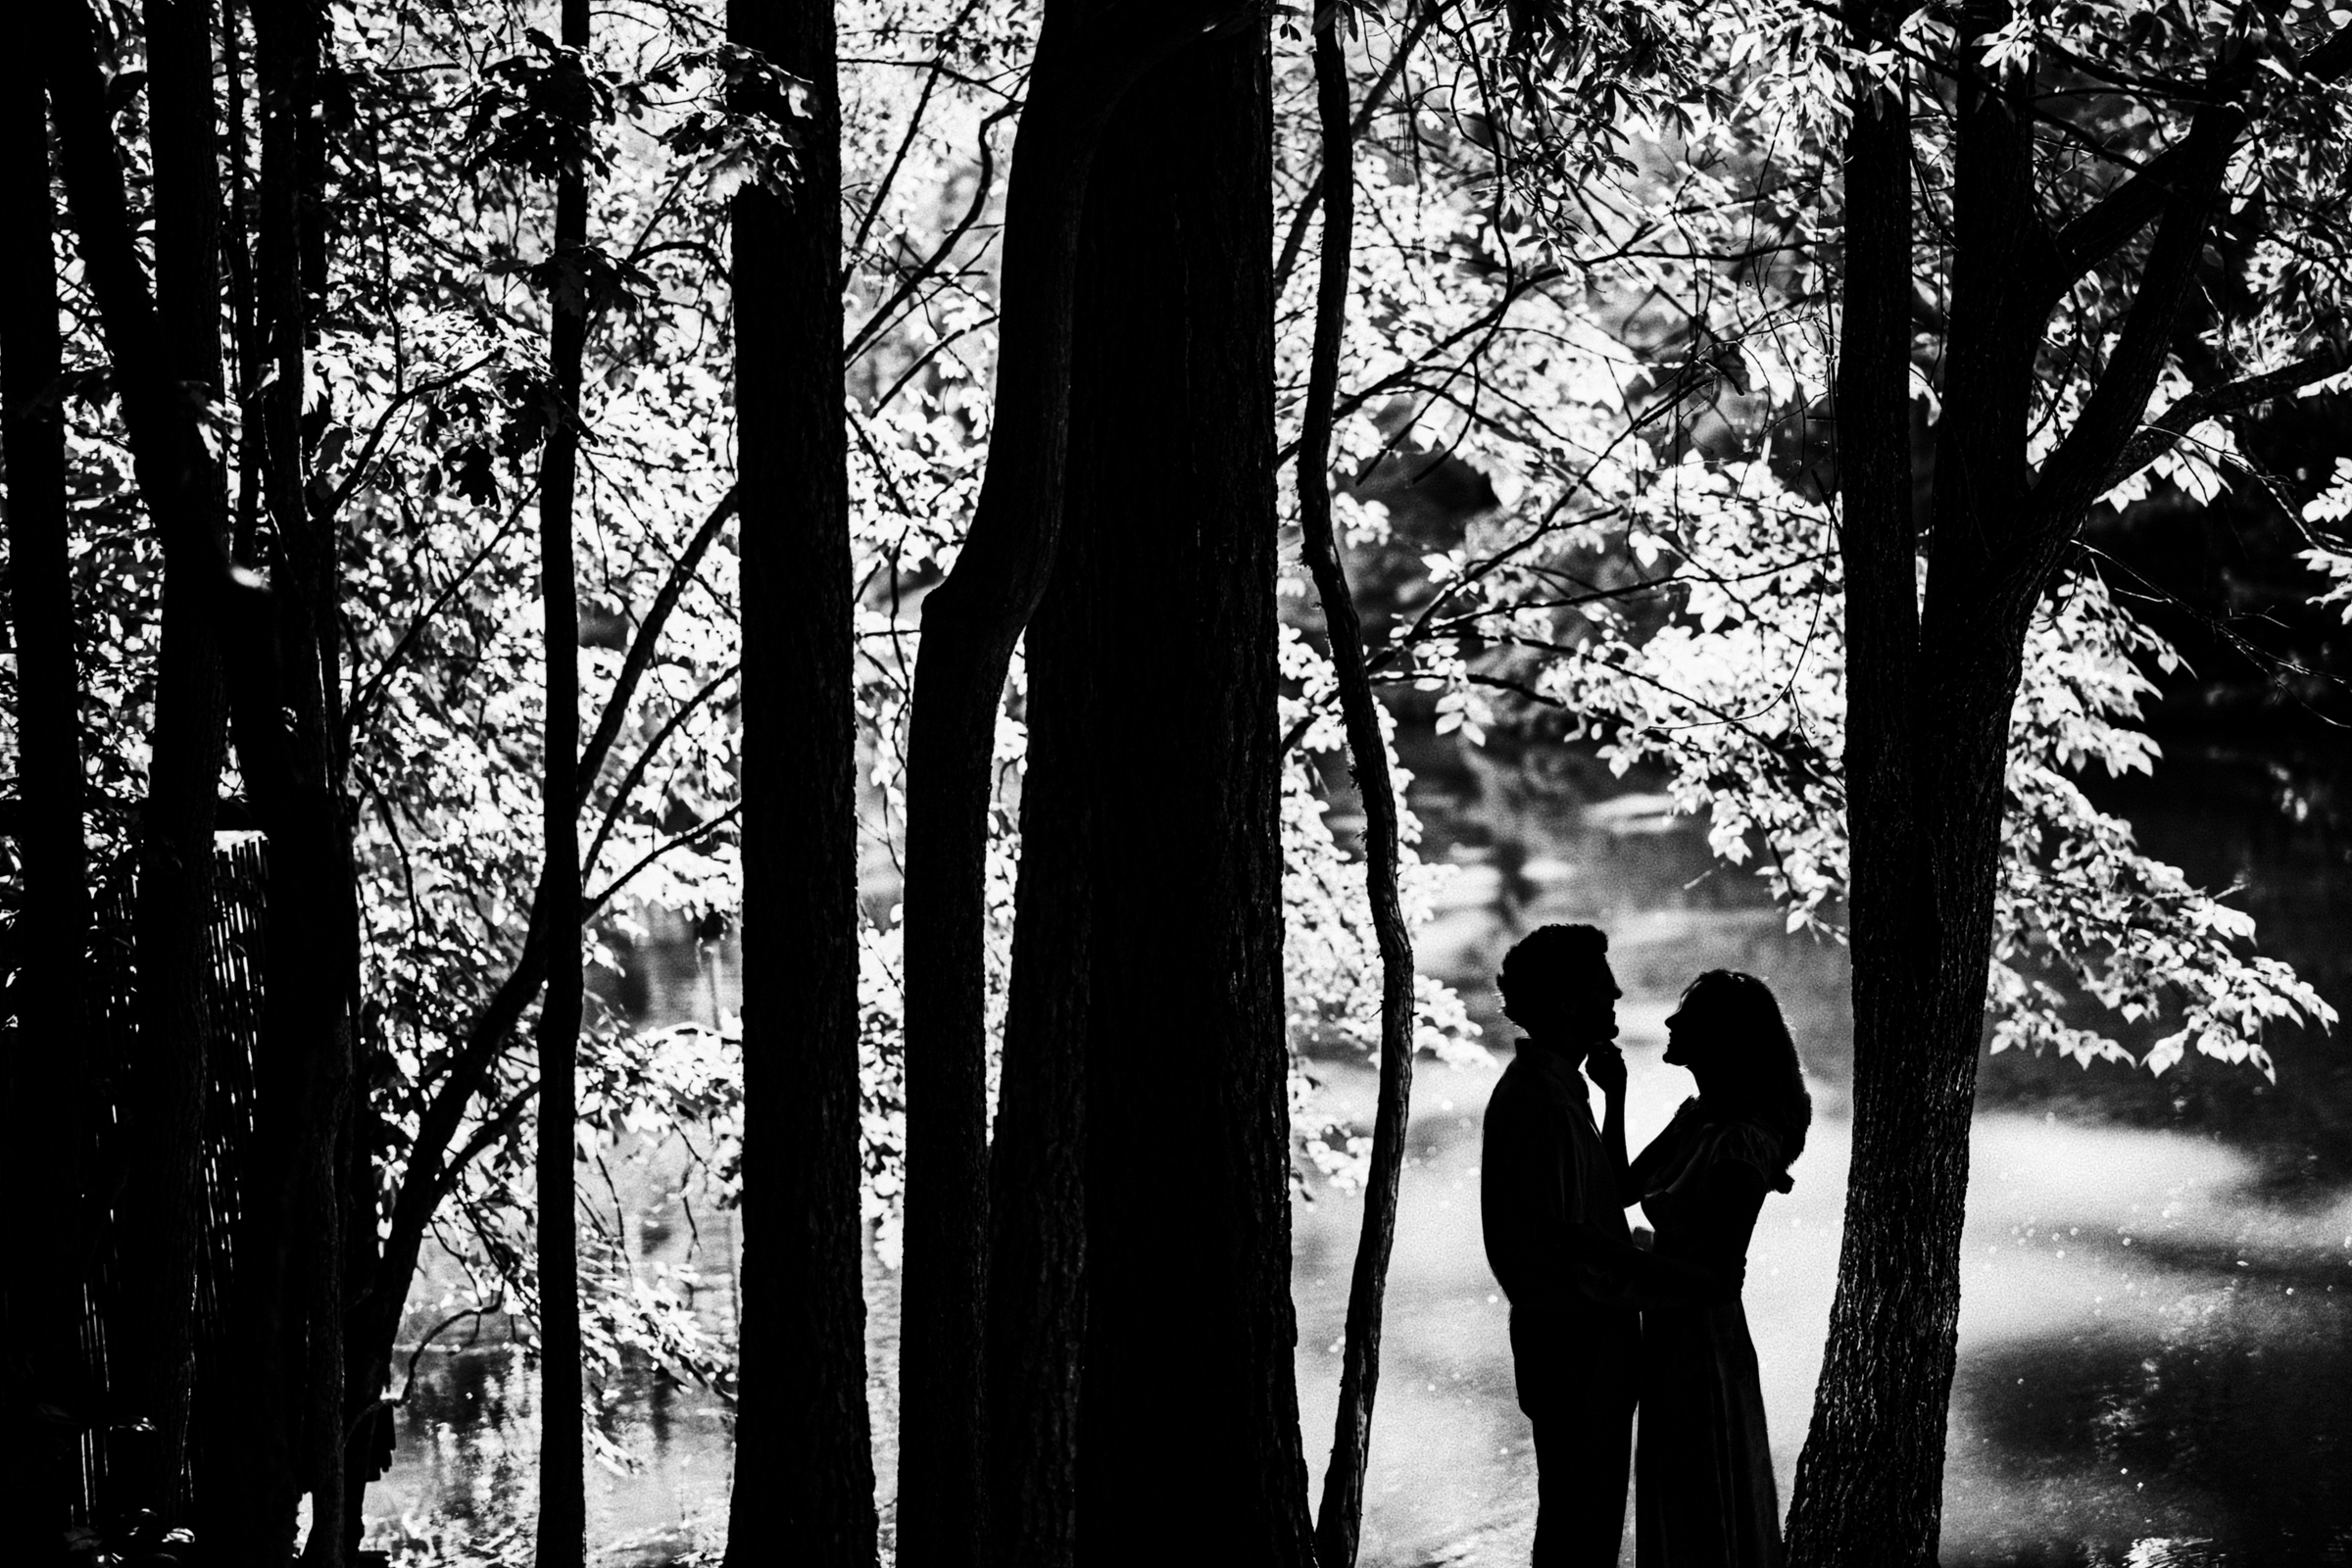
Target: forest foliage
1596	260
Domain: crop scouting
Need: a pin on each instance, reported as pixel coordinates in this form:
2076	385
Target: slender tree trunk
1189	1389
971	621
436	1161
1037	1202
563	1500
245	324
1339	1524
45	1366
804	1485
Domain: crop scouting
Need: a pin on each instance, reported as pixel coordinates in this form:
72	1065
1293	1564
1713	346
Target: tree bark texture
46	1365
285	1432
563	1523
1189	1441
1932	677
165	370
1036	1199
1877	1425
804	1485
1339	1522
1086	59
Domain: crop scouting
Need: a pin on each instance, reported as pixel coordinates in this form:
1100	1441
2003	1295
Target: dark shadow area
2230	1437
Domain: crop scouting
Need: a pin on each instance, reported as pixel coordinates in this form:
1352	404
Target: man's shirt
1542	1173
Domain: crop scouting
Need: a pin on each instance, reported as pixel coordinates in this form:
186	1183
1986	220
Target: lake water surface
2155	1333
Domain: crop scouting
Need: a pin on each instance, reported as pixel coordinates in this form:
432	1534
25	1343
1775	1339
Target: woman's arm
1605	1067
1646	1165
1724	1217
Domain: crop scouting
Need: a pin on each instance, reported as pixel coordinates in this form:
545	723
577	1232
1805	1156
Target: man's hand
1605	1067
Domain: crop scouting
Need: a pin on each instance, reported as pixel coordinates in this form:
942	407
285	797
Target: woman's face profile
1689	1034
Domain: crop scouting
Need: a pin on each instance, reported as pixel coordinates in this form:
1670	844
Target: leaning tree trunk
1036	1201
44	1074
970	623
562	1525
804	1484
1339	1523
1189	1391
1085	61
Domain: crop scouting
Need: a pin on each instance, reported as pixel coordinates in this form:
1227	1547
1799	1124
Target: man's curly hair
1551	955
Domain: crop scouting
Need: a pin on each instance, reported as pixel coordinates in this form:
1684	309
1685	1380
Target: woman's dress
1703	1490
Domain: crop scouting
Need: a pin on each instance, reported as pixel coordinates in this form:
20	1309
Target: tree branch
168	454
641	649
636	773
358	466
2109	224
489	1132
2075	474
2167	430
700	830
1340	1517
982	182
2328	62
420	1186
363	701
915	124
1313	196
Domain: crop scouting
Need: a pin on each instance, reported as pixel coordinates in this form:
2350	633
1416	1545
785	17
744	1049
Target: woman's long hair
1762	1079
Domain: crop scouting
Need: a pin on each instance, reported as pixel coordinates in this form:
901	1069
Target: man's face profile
1591	1003
1573	1003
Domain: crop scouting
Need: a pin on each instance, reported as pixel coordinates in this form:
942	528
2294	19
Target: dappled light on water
2152	1358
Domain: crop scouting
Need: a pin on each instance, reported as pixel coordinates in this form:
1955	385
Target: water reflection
2156	1329
2150	1349
2132	1304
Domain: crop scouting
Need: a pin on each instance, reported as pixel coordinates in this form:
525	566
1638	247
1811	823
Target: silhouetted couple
1599	1326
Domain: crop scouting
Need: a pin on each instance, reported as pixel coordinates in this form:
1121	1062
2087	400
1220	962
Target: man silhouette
1555	1233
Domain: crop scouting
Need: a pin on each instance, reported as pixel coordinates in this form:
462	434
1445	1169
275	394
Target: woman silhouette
1703	1494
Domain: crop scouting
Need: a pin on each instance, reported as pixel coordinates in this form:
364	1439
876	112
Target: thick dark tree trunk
1876	1424
1339	1523
803	1485
970	623
1085	61
1931	681
156	360
1037	1200
1189	1390
562	1527
44	1366
285	1430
